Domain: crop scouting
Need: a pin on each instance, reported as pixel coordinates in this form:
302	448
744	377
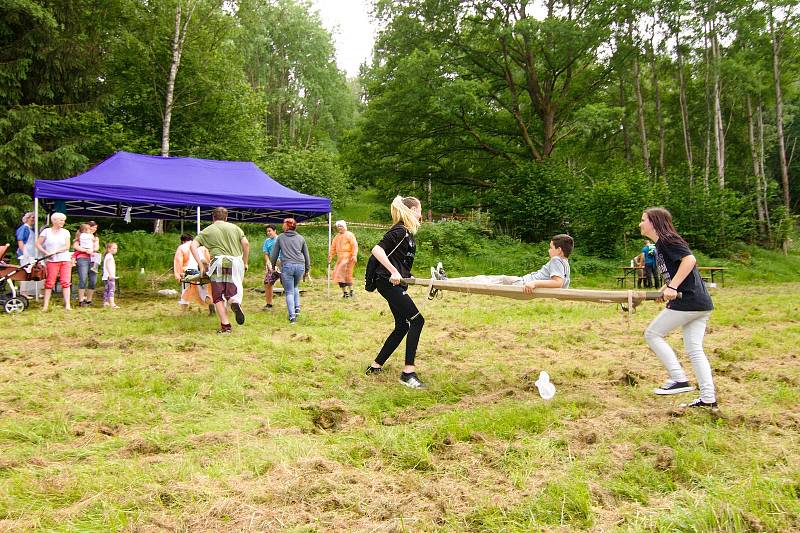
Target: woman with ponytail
395	255
690	312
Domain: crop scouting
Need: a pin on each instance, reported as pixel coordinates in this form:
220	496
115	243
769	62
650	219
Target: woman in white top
54	242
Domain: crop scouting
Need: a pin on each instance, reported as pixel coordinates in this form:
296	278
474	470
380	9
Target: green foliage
315	172
532	201
451	239
710	220
608	210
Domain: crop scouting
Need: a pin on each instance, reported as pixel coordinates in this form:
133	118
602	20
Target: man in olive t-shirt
229	251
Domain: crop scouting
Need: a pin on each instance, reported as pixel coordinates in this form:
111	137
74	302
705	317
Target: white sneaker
411	381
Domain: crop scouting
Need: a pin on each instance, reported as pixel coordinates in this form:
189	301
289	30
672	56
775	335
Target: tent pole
198	219
36	233
329	247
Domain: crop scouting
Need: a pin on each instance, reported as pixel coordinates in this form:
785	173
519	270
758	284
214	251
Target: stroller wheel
16	304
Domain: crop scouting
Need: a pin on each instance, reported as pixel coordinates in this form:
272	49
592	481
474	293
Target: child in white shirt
110	275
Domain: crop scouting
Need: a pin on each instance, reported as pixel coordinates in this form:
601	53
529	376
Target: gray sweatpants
694	329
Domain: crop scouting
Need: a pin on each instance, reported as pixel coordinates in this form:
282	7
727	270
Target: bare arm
245	251
555	282
202	264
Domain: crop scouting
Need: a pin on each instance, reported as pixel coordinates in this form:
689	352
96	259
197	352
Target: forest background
544	117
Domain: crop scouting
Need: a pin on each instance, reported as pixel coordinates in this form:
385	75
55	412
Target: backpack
370	273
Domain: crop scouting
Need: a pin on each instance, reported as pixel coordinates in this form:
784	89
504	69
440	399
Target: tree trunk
624	121
776	75
719	130
762	175
640	111
662	169
178	38
756	173
707	162
687	138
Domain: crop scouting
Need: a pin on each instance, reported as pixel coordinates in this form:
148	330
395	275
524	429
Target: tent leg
328	274
36	232
198	219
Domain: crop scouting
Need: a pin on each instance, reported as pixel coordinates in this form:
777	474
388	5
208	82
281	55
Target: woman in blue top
270	273
691	312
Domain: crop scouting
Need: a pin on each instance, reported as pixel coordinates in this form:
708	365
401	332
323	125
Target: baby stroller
10	299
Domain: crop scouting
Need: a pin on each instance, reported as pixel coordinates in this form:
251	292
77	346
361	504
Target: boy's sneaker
372	370
293	320
237	310
437	273
224	329
700	403
267	307
440	274
673	387
411	380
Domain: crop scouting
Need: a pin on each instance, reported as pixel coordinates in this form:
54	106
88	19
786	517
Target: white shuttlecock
546	389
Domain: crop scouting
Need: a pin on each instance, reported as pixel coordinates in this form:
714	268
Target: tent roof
174	187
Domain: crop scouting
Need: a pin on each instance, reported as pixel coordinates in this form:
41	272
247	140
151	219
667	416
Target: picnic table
629	271
712	271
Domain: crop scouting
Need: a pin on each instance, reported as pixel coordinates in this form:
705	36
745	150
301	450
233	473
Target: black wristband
673	288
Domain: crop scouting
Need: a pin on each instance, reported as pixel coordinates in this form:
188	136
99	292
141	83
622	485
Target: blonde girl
395	254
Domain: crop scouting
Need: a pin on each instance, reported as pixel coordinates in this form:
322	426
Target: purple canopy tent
175	188
130	185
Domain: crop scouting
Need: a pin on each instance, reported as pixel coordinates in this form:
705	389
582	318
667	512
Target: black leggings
407	320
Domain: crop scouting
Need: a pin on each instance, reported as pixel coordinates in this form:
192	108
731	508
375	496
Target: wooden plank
516	292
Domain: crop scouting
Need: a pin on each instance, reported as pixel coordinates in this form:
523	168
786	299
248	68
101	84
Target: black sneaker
372	370
224	329
411	380
237	310
700	403
351	293
293	320
267	307
673	387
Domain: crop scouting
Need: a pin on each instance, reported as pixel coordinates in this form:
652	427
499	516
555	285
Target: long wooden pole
516	292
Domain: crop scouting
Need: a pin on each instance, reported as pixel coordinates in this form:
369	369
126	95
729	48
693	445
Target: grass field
143	419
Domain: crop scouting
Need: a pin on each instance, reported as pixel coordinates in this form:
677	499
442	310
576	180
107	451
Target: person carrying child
110	276
555	274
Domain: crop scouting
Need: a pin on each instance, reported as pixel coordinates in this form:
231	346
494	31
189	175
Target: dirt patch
141	447
629	378
328	415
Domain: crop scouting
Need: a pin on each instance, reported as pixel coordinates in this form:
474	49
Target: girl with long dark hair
691	312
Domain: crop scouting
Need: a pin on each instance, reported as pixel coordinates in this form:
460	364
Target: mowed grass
143	419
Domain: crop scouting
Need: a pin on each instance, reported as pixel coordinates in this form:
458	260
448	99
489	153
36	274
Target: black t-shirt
695	296
403	257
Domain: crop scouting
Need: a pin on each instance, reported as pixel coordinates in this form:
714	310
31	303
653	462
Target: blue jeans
85	274
291	274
